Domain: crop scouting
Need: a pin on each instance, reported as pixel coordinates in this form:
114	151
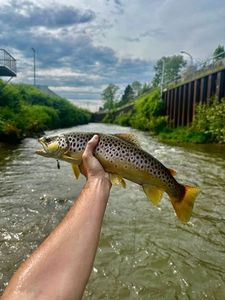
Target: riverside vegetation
149	115
148	110
26	111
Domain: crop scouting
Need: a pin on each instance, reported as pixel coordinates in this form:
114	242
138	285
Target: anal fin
117	180
154	195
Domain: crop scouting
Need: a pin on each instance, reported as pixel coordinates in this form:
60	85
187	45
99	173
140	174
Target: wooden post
209	88
184	108
175	107
203	89
167	101
190	102
218	85
179	114
222	84
171	106
168	104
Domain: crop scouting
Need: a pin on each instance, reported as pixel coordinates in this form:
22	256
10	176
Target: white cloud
106	41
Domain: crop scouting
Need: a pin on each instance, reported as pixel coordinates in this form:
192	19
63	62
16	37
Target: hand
90	166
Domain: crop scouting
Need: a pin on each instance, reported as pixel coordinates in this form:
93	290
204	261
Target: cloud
86	45
70	58
25	14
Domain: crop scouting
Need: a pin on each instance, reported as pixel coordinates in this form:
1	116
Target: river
144	252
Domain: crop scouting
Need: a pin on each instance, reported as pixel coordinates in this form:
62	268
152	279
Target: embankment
26	111
149	114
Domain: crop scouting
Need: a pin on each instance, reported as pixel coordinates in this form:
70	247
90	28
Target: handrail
204	70
7	60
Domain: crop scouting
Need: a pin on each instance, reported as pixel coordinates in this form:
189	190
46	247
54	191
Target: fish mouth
44	151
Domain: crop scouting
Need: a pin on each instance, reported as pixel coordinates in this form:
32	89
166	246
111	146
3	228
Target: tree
128	95
146	87
219	53
172	68
108	96
136	86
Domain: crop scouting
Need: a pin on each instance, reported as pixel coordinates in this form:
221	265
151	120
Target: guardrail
197	71
8	61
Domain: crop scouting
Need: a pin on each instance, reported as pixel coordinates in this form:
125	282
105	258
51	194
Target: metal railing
7	60
198	70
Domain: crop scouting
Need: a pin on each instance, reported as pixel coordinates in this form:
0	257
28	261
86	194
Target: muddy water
145	252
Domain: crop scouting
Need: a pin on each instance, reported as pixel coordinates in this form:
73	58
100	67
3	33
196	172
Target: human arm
60	267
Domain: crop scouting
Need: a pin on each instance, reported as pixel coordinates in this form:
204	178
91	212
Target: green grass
149	115
25	111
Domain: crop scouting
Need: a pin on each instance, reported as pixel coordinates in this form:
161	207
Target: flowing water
144	252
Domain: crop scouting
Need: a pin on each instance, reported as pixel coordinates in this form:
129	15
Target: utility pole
34	52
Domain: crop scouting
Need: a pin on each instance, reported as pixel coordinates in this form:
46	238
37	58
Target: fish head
53	146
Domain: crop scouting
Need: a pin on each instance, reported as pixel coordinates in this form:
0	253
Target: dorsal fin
129	137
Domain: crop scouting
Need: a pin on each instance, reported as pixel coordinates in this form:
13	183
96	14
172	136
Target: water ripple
144	252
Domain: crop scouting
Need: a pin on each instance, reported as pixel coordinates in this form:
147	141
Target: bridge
181	97
99	116
7	64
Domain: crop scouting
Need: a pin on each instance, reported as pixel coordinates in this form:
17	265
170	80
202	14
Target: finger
91	145
82	170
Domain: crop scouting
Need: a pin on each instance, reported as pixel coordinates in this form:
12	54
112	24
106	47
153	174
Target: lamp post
191	57
34	52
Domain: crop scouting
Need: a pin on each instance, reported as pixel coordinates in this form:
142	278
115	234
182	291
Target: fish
122	156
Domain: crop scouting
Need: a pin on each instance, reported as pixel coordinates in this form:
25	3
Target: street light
34	52
191	58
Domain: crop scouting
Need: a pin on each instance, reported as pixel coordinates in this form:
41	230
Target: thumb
91	145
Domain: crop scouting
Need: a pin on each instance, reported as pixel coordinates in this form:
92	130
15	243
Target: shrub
210	121
27	111
123	119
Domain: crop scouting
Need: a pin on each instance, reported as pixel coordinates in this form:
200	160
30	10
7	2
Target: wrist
102	182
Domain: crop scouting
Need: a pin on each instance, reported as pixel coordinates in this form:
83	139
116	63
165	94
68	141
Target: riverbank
149	114
26	111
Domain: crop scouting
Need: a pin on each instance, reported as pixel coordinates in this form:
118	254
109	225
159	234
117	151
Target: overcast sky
83	45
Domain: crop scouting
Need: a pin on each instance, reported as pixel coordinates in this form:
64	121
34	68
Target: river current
144	251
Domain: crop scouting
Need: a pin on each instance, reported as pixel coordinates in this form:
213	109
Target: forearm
60	267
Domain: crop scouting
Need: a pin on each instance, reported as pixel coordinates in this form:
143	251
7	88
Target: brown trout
122	157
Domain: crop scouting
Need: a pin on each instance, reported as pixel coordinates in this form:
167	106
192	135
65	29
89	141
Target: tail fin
183	207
